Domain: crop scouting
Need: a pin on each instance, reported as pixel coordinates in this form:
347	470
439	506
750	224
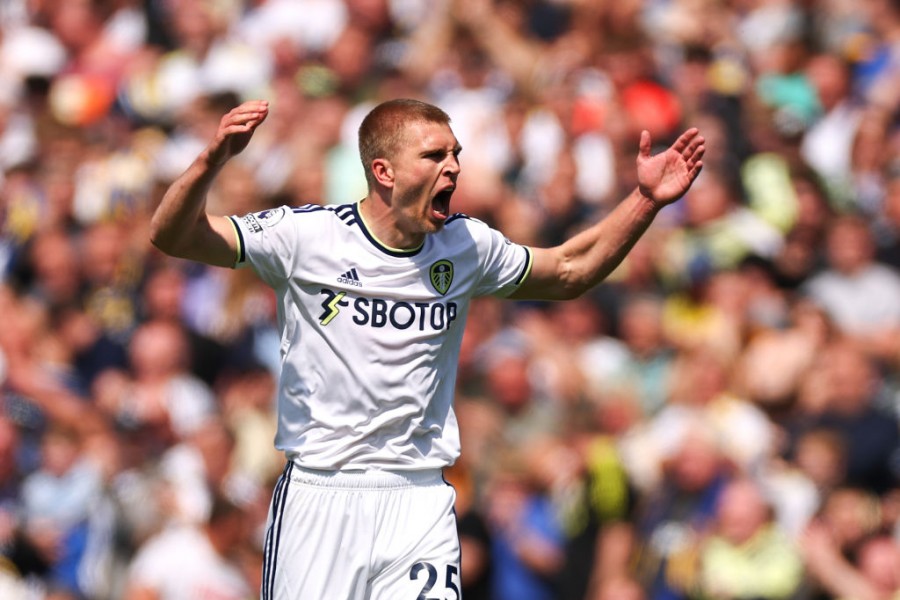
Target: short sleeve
267	241
505	265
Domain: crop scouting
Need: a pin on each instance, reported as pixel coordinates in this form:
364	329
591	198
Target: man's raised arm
580	263
180	226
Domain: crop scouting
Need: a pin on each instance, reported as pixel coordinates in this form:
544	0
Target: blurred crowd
718	420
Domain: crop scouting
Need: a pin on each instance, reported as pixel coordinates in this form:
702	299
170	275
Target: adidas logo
350	278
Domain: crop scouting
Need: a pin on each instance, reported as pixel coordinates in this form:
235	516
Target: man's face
425	170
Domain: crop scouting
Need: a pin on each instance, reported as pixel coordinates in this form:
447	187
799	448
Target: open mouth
440	204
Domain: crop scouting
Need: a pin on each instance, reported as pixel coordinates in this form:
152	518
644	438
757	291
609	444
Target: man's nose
451	166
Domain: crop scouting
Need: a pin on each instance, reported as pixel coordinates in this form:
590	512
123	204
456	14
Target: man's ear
383	172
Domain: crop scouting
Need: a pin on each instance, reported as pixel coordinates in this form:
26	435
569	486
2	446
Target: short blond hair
382	131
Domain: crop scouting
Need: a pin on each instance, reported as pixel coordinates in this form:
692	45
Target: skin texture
407	185
409	197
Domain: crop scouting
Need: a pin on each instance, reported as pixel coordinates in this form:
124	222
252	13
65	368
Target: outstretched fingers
692	147
246	116
694	168
685	139
236	128
696	145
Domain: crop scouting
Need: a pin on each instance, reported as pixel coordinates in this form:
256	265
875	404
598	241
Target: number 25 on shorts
431	576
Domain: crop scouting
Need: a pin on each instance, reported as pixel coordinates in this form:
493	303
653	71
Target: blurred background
717	420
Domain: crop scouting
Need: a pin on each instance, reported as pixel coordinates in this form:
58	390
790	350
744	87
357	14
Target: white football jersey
370	335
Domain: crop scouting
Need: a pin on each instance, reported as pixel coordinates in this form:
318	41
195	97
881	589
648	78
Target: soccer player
372	300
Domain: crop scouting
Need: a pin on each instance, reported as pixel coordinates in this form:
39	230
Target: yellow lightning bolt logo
332	306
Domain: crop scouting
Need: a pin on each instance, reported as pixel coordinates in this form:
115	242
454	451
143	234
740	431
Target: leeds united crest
441	275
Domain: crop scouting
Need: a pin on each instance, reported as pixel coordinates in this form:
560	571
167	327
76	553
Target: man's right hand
235	130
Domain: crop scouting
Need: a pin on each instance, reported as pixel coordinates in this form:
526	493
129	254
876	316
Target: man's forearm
181	215
571	269
594	253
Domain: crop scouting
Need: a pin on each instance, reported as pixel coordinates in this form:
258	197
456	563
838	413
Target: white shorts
375	535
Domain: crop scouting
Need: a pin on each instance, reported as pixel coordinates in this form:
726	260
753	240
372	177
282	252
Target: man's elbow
158	240
574	283
163	239
161	245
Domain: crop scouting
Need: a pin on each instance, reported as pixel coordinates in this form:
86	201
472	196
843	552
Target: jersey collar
398	252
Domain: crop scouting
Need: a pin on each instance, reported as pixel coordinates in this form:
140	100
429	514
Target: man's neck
382	223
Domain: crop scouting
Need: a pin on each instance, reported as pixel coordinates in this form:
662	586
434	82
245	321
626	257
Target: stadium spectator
860	295
158	570
871	576
746	555
527	540
676	512
867	432
58	500
158	393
